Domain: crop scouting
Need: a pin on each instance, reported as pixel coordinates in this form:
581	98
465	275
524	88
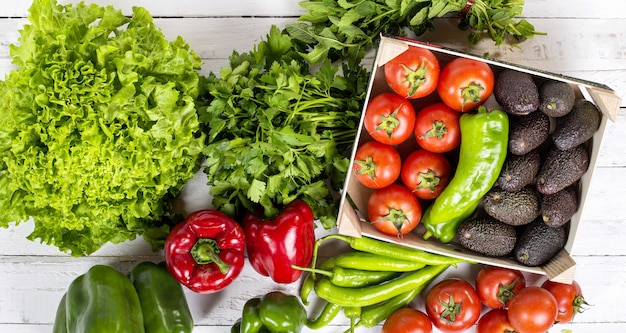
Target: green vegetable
328	313
98	126
481	157
390	250
101	300
370	295
374	314
274	312
163	302
279	130
346	29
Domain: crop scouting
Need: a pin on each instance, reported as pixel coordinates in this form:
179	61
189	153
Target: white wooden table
586	39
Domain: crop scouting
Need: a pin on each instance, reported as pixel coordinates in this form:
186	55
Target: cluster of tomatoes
402	181
453	305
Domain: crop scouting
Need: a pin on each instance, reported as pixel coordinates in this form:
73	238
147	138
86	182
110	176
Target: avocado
516	92
538	243
556	98
513	208
558	208
561	169
519	171
487	236
528	132
578	126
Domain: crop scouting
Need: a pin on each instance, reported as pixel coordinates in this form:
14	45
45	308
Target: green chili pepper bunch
370	282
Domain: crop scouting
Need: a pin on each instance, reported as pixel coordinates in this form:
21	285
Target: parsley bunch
279	130
348	28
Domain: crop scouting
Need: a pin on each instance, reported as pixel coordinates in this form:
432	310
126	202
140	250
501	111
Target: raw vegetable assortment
99	126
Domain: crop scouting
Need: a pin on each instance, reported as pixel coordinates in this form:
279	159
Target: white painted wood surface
585	39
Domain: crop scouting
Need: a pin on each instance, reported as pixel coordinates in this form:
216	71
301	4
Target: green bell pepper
276	312
163	302
149	300
484	141
101	300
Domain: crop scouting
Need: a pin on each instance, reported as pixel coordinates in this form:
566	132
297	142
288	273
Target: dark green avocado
487	236
513	208
578	126
538	243
556	98
528	132
516	92
561	169
558	208
519	171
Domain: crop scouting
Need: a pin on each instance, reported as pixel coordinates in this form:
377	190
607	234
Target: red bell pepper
288	239
205	252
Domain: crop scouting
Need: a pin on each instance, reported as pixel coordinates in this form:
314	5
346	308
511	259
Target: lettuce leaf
98	126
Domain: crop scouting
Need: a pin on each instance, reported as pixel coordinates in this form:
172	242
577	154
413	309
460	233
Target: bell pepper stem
206	251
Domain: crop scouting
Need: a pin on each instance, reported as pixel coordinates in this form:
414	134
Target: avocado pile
526	214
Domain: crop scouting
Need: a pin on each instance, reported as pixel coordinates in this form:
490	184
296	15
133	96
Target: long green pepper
484	140
365	296
395	251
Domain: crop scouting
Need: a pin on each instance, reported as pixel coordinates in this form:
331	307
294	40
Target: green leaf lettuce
98	126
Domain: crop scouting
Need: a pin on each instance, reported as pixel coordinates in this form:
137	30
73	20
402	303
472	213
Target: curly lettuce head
98	126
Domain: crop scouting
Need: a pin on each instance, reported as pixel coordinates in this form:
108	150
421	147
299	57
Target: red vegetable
532	310
569	298
437	128
497	285
394	210
376	165
275	245
453	305
425	173
205	252
465	84
389	118
413	73
495	321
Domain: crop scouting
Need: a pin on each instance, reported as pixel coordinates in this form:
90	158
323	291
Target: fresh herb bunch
346	29
278	130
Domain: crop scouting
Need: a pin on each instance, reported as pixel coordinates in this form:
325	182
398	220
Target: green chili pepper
348	277
353	313
371	262
374	314
329	312
308	285
391	250
484	140
370	295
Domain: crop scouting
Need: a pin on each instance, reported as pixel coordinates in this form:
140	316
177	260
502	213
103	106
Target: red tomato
494	321
453	305
496	286
389	118
569	298
407	320
376	165
394	210
465	84
437	128
425	173
532	310
413	73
